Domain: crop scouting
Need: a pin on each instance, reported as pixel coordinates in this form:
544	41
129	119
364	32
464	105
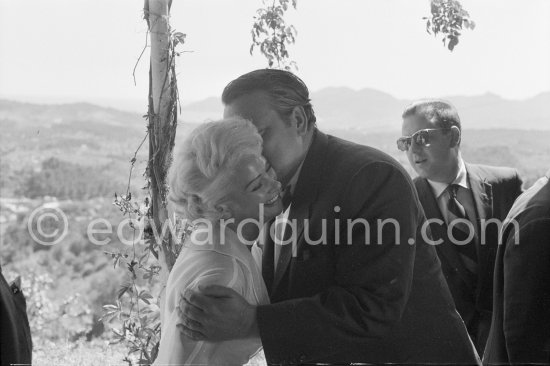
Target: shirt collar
461	179
292	182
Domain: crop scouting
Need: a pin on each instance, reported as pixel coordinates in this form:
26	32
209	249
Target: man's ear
298	118
456	136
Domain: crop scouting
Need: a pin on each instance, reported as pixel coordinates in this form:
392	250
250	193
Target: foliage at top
272	35
448	18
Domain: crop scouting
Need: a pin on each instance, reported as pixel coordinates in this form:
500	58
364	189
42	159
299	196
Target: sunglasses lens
403	144
422	138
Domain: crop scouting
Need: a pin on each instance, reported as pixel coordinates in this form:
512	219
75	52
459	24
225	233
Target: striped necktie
461	231
268	265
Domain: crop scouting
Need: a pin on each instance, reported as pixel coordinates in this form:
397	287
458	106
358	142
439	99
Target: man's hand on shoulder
216	313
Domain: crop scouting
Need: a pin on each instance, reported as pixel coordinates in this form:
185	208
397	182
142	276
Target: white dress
228	264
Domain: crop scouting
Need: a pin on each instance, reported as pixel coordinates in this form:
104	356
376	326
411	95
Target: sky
85	50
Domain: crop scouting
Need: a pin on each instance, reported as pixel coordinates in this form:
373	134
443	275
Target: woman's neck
245	233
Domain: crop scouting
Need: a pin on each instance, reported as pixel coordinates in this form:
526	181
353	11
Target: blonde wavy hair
202	166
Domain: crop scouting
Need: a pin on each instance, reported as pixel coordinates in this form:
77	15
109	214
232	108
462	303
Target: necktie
268	269
461	231
268	265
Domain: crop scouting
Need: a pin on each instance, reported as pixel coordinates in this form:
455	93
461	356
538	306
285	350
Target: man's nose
415	148
275	185
278	185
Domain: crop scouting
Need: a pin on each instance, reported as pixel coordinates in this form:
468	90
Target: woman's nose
274	184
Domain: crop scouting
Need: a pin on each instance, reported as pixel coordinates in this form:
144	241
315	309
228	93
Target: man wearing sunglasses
458	199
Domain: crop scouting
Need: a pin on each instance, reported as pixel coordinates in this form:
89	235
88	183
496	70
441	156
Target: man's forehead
254	107
415	123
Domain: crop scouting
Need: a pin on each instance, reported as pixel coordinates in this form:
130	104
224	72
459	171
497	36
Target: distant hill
50	114
372	110
496	131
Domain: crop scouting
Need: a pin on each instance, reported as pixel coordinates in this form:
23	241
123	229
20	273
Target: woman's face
253	188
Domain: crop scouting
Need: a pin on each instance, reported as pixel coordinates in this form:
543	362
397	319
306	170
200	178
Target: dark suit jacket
520	332
15	334
494	191
386	301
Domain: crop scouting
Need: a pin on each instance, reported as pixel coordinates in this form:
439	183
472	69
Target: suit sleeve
15	334
373	275
527	294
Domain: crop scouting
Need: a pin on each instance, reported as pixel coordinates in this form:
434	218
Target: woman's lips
273	200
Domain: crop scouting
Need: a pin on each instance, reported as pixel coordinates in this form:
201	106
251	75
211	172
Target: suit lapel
305	194
446	249
482	193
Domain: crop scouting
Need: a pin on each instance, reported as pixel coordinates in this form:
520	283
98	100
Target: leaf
127	287
155	350
179	38
453	41
108	316
115	341
145	297
117	333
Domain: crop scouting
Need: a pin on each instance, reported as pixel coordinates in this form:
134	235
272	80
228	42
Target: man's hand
216	313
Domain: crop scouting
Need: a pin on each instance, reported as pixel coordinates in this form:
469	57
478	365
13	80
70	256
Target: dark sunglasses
420	138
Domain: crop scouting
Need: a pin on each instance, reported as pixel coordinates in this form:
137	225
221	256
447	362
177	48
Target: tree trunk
162	126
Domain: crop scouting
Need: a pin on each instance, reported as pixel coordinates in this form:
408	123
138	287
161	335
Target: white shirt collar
292	182
461	179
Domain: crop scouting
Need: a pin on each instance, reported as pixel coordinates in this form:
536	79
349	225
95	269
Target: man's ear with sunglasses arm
456	136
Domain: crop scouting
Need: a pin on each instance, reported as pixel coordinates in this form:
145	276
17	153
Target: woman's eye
256	187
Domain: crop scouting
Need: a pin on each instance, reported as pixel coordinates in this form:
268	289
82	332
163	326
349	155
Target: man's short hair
285	90
437	111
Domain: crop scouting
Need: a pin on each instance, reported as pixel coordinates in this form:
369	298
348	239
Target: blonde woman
219	181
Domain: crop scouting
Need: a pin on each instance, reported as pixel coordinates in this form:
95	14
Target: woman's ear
224	211
298	117
456	136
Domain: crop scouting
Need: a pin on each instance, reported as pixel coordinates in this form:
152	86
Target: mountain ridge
369	109
365	109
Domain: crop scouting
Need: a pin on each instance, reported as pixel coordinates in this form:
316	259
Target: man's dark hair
437	111
285	90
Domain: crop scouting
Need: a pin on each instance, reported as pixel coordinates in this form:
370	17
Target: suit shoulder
494	174
537	208
349	154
